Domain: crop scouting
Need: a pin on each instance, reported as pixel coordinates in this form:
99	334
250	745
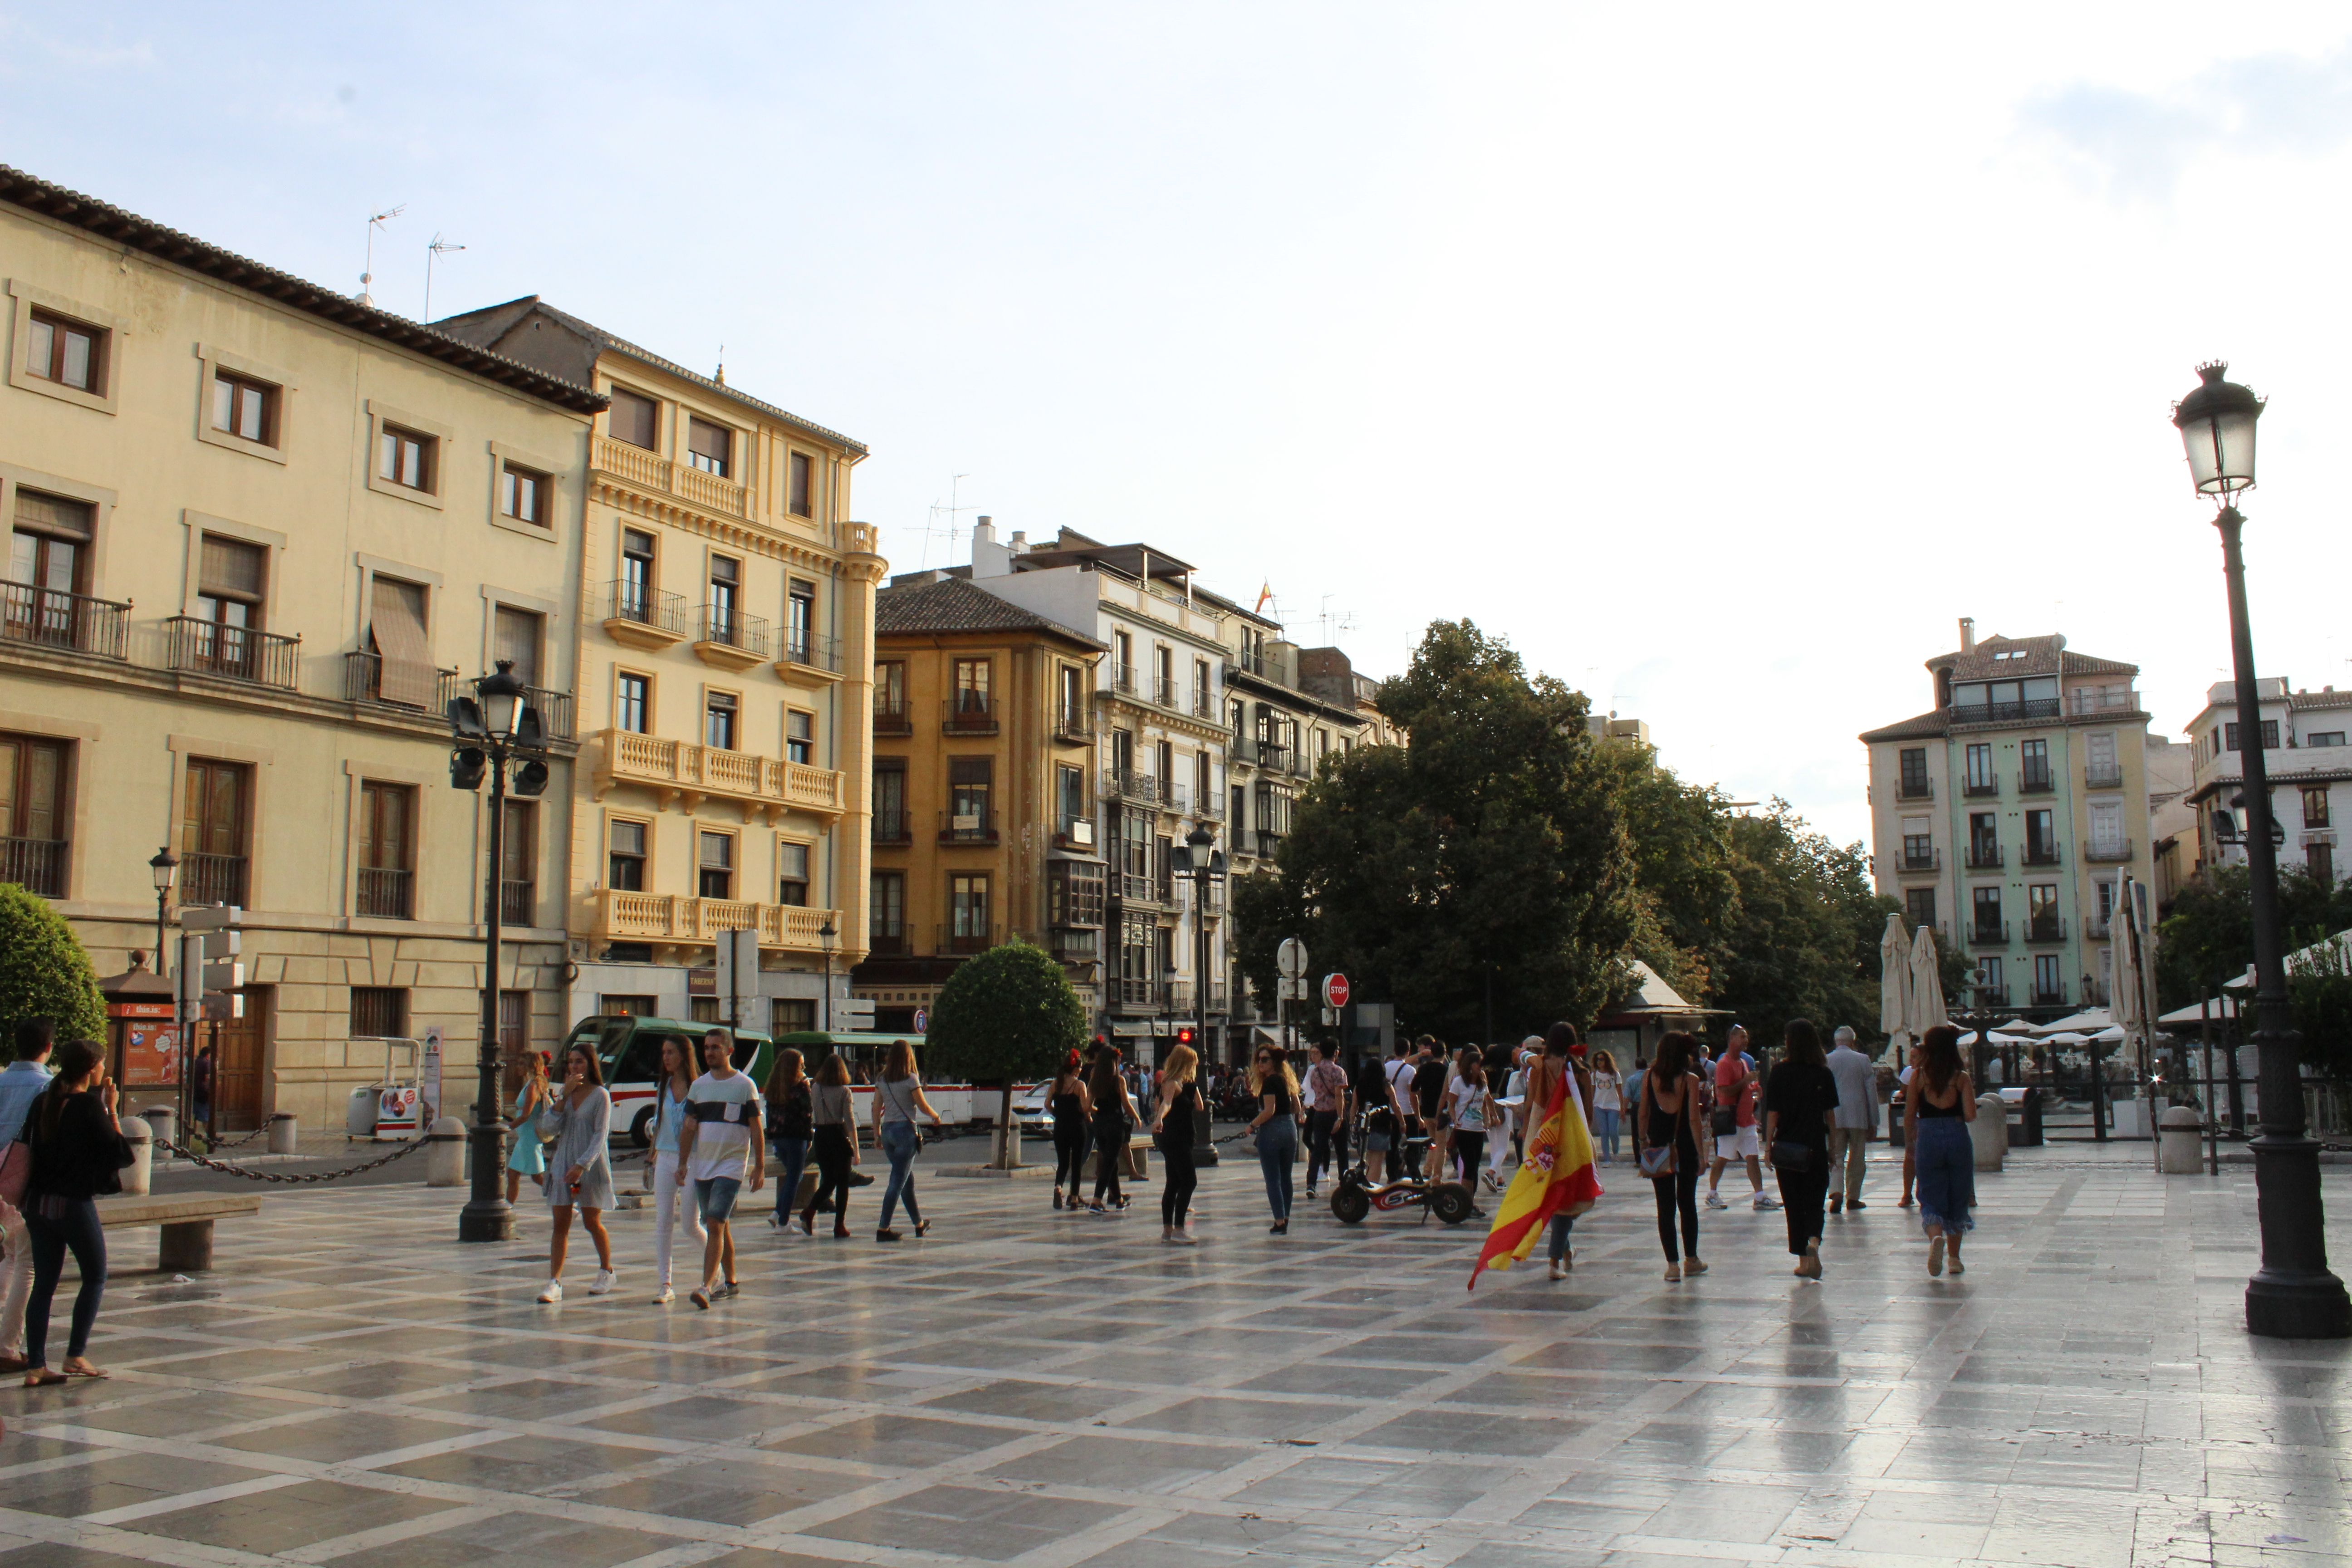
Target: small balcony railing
1210	807
1138	788
2036	780
1142	889
2045	929
233	653
1205	702
54	618
2039	854
2108	853
1986	857
363	682
2052	998
386	893
1139	992
1989	933
893	828
1923	859
36	865
2006	713
519	903
1166	692
627	601
1989	995
970	713
961	936
1980	789
811	650
731	627
1074	724
1915	789
971	828
2108	775
1122	679
554	710
211	880
2097	928
891	718
886	944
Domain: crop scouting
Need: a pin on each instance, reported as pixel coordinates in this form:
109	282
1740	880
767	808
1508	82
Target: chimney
1019	540
1968	630
985	528
988	559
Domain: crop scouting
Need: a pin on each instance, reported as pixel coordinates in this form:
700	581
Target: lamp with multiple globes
1199	858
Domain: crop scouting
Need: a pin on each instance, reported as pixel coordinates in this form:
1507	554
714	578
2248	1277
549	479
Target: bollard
444	1159
2180	1148
143	1157
1988	1133
283	1135
162	1123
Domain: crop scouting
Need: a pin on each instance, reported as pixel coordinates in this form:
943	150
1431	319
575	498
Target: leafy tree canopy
1804	942
44	971
2208	934
1005	1014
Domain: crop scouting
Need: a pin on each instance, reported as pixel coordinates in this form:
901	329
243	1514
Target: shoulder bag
1796	1159
15	1172
1658	1160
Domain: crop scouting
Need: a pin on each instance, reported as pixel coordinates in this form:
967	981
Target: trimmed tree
1004	1015
44	971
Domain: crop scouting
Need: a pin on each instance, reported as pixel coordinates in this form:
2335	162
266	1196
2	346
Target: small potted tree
1005	1015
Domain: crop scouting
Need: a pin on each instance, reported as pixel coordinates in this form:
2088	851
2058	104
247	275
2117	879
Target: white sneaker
554	1291
1763	1203
666	1297
1715	1202
602	1284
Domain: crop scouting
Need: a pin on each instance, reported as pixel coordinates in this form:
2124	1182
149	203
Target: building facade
2006	816
725	601
260	534
2308	765
984	793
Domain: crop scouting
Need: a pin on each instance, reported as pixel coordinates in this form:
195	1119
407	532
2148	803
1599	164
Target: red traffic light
1184	1036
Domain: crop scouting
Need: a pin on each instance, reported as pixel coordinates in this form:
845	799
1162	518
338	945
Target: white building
2309	767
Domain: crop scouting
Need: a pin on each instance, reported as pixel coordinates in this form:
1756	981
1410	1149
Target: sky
1718	357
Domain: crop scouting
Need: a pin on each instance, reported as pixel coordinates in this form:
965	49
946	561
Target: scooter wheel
1450	1203
1348	1203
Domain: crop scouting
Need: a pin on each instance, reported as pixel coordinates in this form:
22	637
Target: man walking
1400	1076
1430	1071
1735	1120
1856	1114
713	1147
20	1085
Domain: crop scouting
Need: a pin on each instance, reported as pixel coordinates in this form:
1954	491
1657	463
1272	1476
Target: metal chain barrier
240	1142
225	1169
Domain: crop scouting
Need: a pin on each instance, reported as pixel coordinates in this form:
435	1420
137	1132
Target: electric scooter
1356	1196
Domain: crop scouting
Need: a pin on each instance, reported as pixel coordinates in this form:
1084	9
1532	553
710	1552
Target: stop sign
1335	991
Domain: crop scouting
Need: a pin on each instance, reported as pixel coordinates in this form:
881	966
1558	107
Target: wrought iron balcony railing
233	653
51	617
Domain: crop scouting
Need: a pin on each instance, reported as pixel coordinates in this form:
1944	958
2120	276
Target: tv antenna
438	248
375	221
1335	625
931	530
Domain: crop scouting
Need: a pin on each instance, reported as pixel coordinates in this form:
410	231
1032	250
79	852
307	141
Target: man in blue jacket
20	1085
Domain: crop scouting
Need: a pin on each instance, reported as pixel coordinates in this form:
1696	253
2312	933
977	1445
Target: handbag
1725	1122
15	1172
1796	1159
1658	1160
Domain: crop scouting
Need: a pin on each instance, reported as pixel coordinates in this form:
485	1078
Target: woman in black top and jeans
78	1149
1660	1125
1799	1098
1174	1129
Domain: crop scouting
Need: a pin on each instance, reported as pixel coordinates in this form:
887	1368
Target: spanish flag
1556	1177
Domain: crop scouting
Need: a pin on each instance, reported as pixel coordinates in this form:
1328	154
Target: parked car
1032	1110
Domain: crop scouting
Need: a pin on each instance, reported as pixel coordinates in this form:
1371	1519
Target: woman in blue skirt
1936	1110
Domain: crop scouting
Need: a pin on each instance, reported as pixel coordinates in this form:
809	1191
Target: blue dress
527	1156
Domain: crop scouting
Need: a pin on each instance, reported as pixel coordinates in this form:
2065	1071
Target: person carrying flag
1555	1180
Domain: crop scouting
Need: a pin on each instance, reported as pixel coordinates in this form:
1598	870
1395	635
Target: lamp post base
487	1217
2301	1300
1204	1152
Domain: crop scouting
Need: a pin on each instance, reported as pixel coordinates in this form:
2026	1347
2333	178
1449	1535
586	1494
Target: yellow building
983	808
259	533
725	666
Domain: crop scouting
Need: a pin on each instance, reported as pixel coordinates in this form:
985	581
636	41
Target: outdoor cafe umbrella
1927	1008
1893	986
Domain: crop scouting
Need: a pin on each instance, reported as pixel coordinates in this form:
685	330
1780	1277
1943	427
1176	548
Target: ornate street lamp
494	727
1199	858
165	868
2292	1295
828	934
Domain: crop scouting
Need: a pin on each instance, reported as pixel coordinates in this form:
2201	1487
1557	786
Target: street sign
1335	991
429	1081
737	977
922	1020
1291	958
1330	1015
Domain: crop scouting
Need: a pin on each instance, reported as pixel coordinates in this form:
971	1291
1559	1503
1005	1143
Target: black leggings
1322	1126
1803	1196
1180	1177
1110	1147
1069	1154
832	1172
76	1228
1470	1148
1678	1190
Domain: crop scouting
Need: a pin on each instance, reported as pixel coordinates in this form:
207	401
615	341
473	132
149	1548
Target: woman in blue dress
526	1158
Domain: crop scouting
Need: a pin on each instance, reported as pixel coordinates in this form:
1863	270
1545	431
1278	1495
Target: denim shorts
714	1198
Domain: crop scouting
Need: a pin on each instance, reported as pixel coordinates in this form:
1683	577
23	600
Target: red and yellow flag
1556	1177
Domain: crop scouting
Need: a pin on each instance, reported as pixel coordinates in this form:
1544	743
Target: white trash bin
1988	1133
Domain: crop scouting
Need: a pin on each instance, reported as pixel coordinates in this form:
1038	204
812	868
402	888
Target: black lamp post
828	934
166	869
1199	858
492	728
2292	1295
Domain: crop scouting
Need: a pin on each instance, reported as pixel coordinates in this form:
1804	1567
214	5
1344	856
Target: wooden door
241	1063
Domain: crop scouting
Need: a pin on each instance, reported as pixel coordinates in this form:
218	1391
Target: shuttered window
635	419
708	446
515	637
396	626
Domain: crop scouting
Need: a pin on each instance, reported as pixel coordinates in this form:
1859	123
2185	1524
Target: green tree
2321	991
2207	935
1804	943
1004	1015
44	971
1686	899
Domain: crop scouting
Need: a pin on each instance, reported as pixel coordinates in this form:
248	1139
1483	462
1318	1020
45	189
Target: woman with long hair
897	1098
789	1130
1800	1100
1551	1070
1114	1116
528	1155
1175	1125
1665	1141
1276	1130
78	1149
670	1193
1066	1098
1468	1109
578	1168
1608	1103
1936	1109
833	1115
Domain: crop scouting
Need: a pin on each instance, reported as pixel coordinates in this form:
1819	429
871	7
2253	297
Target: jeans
669	1198
1847	1147
791	1159
1469	1147
715	1196
1319	1126
1608	1122
1947	1174
1178	1178
899	1142
74	1228
1562	1224
1277	1146
832	1160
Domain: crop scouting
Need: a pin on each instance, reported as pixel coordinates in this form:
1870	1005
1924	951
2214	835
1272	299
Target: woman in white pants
669	1115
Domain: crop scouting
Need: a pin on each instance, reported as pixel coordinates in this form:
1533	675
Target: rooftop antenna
439	247
955	492
375	221
1335	625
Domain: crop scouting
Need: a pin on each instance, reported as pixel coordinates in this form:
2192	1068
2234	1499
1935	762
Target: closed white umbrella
1894	985
1927	1008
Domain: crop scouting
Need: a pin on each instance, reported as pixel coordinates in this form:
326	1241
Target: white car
1031	1112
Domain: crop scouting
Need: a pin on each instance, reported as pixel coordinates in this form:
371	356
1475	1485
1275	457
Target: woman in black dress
1174	1129
1799	1098
1066	1098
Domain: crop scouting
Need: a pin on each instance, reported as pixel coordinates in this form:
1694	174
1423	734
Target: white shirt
721	1149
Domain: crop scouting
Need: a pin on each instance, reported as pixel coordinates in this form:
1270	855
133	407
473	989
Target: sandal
922	1227
42	1377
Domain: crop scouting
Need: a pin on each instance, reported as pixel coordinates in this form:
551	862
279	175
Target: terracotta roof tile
1925	726
955	604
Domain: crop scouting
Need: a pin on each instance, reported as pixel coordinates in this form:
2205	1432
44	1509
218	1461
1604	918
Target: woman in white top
1468	1108
897	1098
1608	1103
669	1186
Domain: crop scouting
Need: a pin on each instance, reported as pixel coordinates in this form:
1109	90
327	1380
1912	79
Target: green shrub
1004	1015
44	971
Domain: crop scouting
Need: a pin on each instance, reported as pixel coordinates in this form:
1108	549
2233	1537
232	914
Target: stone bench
187	1222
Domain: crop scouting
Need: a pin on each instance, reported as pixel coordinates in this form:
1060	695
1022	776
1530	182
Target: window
403	670
708	446
405	458
49	551
1163	676
801	622
725	590
1203	790
1918	844
715	865
790	1016
630	702
793	873
800	494
969	781
1074	893
625	859
68	352
2100	768
890	800
1163	762
2041	839
611	1006
1069	797
890	694
799	736
1238	818
387	850
2033	764
515	637
636	597
1984	839
514	1024
635	418
33	816
2314	808
2319	863
245	408
1134	854
229	573
2049	979
380	1012
1990	965
885	912
1070	705
971	686
1985	904
2325	738
524	494
2042	912
2106	895
1122	751
1919	905
968	913
1202	696
214	812
1980	777
718	720
2108	841
2270	735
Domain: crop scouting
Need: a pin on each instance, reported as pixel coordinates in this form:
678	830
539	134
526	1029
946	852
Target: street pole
1204	1145
487	1217
2292	1295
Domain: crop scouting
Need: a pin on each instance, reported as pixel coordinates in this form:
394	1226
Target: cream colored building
725	686
259	534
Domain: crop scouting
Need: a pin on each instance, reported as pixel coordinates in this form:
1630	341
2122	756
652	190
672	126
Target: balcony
1923	861
1981	789
1989	995
1915	789
728	638
1167	693
1144	890
2045	929
36	865
1269	839
2036	780
684	774
971	828
1273	754
386	893
1204	703
1075	945
2053	998
1209	807
1986	857
2093	700
1136	788
2006	713
652	471
554	710
968	714
2109	853
211	880
806	652
885	945
2039	854
2108	775
1073	725
519	903
1123	680
194	647
892	830
641	616
674	918
2097	928
363	682
71	623
1989	933
968	936
891	718
1146	995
